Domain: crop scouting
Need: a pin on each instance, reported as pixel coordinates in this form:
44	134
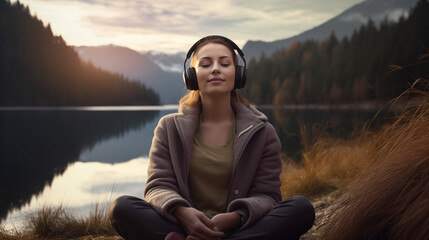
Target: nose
215	68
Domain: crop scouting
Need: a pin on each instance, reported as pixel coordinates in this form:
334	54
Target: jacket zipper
239	156
247	141
245	130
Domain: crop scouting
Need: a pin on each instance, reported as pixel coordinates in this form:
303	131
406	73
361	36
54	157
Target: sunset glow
156	25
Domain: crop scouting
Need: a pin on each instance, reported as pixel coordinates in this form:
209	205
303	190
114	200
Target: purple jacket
255	183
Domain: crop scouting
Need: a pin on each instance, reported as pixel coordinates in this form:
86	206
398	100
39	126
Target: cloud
354	17
123	22
188	17
392	15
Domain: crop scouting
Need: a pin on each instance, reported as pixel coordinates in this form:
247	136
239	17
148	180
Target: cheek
231	73
201	74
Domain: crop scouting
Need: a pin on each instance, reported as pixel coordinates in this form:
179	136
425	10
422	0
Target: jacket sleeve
161	190
264	192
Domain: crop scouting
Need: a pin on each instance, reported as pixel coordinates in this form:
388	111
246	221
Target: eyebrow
209	58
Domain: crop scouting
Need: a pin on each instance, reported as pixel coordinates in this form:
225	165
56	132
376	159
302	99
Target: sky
174	25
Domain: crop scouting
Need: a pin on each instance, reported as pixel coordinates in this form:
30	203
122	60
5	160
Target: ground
324	208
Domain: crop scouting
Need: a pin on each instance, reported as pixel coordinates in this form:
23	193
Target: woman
214	166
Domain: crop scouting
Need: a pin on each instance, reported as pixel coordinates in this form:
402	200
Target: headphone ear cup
240	77
190	78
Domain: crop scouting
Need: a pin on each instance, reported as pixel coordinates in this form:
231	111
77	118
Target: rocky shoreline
324	208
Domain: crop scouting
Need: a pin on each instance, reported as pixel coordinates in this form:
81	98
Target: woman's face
215	69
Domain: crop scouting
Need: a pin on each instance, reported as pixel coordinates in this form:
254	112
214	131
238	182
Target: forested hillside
38	68
354	69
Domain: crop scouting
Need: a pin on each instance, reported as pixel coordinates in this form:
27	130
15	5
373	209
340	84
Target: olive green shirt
210	174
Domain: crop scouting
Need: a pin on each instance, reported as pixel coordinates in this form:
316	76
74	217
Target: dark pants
133	218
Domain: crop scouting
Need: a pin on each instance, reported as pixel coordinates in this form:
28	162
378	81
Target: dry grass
60	223
382	177
327	165
390	198
330	163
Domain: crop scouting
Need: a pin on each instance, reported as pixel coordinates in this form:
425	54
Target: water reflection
36	146
84	184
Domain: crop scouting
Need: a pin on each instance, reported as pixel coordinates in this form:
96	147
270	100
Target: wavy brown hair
390	199
193	97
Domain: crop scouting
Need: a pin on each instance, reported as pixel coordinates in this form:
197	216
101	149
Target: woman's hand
196	224
227	221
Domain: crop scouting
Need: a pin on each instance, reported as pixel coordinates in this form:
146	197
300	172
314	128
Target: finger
207	221
211	229
205	233
217	221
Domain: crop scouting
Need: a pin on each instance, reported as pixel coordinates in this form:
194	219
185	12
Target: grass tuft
327	165
58	222
390	198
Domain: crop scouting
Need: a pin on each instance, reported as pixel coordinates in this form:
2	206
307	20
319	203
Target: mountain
137	67
342	25
168	62
38	68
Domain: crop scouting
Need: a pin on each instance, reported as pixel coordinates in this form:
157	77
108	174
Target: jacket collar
248	119
244	115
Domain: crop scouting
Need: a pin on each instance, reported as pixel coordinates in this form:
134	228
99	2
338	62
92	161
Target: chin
219	92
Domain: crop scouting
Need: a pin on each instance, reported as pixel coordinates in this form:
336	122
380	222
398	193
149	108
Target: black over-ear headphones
190	76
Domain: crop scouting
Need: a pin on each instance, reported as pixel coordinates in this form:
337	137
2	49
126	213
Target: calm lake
79	157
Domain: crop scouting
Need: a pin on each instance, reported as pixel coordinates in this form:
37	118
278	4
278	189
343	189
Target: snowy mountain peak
168	62
342	25
377	11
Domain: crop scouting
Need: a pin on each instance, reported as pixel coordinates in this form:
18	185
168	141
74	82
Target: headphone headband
234	46
189	75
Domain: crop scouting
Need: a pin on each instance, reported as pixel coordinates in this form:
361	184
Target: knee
120	207
116	207
304	205
302	209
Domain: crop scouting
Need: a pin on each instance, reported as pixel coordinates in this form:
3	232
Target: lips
216	80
